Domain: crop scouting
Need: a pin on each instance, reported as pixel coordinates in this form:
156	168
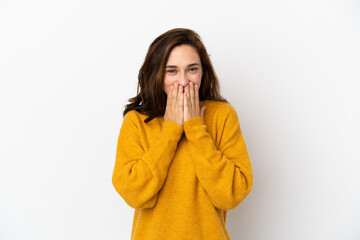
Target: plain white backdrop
291	69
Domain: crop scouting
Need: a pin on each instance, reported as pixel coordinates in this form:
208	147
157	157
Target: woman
181	159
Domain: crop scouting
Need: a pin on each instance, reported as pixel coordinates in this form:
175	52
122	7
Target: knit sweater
182	180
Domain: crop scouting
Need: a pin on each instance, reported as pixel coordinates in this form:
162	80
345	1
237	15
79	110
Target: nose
183	80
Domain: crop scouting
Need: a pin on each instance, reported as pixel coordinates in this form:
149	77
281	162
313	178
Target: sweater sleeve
225	171
138	174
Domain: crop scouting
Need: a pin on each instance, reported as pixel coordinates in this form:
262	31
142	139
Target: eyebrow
190	65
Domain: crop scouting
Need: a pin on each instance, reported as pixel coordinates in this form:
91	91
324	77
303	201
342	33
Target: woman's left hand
191	102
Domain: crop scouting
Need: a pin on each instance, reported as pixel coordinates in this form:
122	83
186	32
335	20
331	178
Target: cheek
197	79
167	84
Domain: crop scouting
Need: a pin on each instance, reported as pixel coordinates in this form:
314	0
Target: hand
175	105
191	102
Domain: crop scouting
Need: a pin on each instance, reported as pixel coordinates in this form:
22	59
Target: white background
291	69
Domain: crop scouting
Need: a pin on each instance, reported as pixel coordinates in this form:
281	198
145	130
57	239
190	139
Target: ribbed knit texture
181	180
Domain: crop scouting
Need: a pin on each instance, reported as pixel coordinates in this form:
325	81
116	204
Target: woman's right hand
175	105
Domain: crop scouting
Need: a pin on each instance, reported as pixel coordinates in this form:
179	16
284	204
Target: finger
192	98
186	101
197	104
179	96
202	111
187	94
181	103
175	93
169	96
192	95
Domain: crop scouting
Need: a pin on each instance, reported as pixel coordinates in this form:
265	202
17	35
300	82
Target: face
183	67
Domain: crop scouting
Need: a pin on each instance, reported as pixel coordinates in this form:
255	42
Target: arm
225	171
139	175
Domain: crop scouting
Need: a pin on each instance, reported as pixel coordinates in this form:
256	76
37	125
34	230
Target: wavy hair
151	98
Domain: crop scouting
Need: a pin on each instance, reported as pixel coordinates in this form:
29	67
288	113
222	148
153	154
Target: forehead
183	54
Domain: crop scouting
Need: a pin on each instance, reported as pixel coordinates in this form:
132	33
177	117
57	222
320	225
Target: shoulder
221	119
134	118
219	108
132	114
221	114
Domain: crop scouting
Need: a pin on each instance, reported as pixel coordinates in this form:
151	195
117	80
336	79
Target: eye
171	71
193	69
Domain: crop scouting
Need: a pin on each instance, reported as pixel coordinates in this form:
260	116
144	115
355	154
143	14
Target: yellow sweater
181	180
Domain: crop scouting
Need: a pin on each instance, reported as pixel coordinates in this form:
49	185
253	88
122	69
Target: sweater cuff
172	130
193	124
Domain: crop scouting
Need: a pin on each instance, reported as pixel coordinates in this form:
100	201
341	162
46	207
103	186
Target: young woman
181	159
